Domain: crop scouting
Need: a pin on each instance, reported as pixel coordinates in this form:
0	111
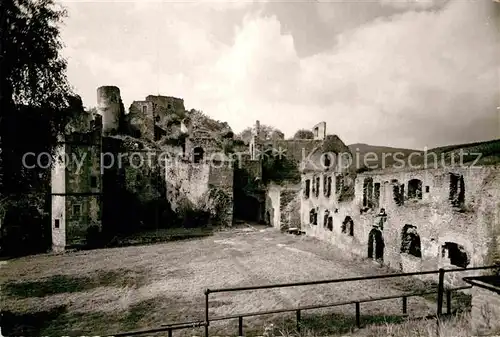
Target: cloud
420	78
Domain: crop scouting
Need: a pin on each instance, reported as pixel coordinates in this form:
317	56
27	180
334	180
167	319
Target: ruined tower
109	107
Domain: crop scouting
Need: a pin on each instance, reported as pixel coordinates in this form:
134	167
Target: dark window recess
317	186
325	218
56	223
307	189
198	154
313	217
325	186
348	226
338	184
456	254
376	195
368	192
144	109
330	223
457	190
398	193
410	241
77	210
415	189
93	181
327	161
427	189
329	186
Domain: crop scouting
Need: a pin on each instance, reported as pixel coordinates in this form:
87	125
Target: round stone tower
109	107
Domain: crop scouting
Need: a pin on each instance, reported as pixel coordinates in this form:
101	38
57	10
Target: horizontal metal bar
336	304
351	279
284	285
161	329
78	194
469	269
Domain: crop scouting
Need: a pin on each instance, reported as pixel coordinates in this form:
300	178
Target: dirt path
146	286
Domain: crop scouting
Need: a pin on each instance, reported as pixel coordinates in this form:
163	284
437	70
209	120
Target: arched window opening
415	189
398	192
307	189
368	192
338	184
330	224
376	245
313	217
376	195
410	241
198	154
325	218
348	226
456	254
457	190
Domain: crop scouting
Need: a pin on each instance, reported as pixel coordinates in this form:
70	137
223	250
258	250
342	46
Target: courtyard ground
106	291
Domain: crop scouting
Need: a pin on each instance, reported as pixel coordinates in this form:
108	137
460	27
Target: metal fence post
240	326
440	301
298	320
405	304
207	291
358	316
440	293
448	302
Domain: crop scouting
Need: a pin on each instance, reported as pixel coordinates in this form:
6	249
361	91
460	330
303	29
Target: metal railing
441	292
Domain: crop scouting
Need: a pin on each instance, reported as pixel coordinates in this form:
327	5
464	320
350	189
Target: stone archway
376	245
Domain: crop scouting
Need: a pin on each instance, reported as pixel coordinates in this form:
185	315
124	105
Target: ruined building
409	219
114	169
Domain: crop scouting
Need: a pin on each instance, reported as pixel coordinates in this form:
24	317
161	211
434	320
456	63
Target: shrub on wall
279	169
216	202
192	216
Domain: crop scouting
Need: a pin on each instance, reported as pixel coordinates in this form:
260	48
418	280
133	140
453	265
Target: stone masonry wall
186	180
273	203
190	181
474	225
221	177
83	185
289	209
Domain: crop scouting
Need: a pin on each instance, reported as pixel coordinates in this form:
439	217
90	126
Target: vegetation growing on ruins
279	168
265	133
303	134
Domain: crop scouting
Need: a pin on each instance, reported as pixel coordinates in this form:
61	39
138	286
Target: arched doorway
270	217
376	245
410	241
198	154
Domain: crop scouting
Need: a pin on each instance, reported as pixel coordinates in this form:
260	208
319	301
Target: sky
400	73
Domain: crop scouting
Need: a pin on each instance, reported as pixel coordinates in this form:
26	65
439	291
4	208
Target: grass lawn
113	290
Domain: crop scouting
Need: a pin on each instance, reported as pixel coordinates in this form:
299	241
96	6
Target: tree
36	100
36	103
265	130
303	134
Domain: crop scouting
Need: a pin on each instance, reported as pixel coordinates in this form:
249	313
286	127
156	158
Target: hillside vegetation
371	157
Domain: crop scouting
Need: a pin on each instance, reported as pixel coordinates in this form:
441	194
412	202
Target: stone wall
283	206
76	189
442	229
273	196
212	149
192	182
221	178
